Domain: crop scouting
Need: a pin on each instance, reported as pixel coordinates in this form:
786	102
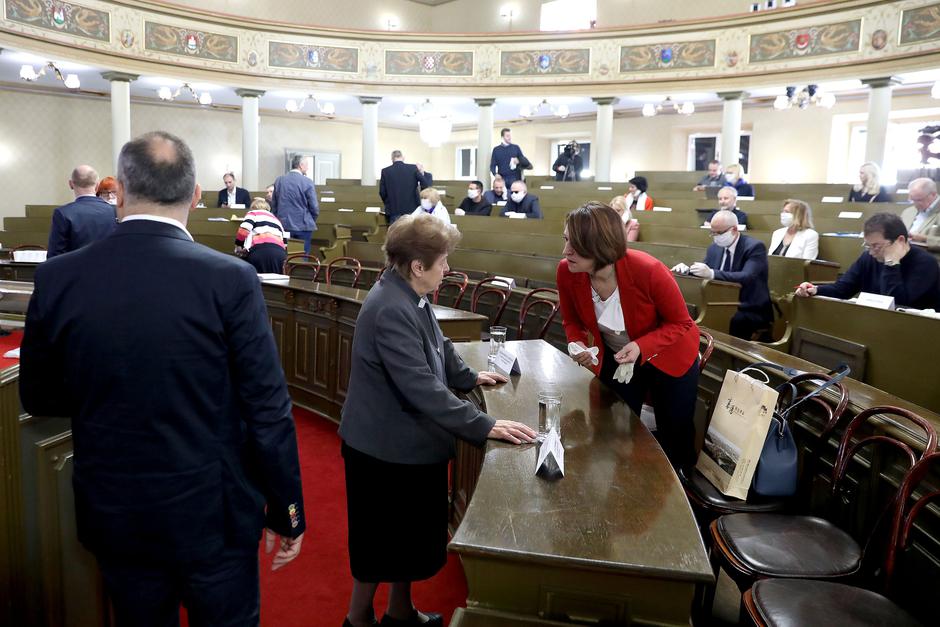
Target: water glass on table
549	411
497	341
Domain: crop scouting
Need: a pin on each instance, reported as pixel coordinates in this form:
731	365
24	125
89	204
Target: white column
879	109
484	138
731	127
370	137
120	111
251	140
603	139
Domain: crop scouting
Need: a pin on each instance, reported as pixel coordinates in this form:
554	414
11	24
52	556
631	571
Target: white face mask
730	178
786	218
472	193
517	196
726	239
426	204
112	201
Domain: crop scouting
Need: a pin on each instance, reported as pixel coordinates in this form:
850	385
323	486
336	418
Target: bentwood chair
538	298
498	289
454	285
343	264
297	261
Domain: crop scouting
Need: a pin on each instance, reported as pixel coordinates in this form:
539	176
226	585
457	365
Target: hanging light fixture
686	108
804	97
527	111
27	73
165	93
649	110
434	125
327	109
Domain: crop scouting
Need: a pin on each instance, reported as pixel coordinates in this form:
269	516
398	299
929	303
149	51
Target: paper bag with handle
737	431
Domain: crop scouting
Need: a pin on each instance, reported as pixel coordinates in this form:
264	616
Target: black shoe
433	620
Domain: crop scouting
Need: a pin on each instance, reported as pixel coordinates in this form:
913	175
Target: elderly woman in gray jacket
400	425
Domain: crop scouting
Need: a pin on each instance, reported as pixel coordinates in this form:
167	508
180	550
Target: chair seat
699	488
799	602
777	545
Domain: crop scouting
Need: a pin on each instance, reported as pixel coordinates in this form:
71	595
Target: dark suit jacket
160	351
79	223
529	206
399	407
749	268
398	187
501	158
242	197
742	216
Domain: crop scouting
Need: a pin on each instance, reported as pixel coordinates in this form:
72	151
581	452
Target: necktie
726	265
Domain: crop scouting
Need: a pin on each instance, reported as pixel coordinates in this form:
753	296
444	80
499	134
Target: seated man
498	193
891	266
474	204
520	201
233	195
739	259
728	201
922	218
714	178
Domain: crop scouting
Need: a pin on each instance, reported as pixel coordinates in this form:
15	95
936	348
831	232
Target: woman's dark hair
640	182
595	231
419	237
889	225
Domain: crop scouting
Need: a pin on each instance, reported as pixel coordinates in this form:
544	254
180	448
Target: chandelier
27	73
686	108
165	93
434	125
325	108
527	111
803	97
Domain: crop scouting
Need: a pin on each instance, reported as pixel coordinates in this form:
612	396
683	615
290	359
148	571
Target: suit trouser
744	324
305	236
673	400
219	591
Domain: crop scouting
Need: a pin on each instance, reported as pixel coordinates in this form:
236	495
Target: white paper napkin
576	349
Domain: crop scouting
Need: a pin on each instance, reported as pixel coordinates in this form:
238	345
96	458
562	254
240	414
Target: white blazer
440	212
805	244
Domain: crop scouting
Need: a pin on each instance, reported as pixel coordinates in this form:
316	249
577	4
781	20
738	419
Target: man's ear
197	196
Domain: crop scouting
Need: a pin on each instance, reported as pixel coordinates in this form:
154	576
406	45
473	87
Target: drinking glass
549	411
497	341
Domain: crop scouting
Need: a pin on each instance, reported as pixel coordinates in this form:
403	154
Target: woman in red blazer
629	305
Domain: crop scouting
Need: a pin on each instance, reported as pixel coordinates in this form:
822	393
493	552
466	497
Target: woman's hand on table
511	431
628	354
584	358
490	378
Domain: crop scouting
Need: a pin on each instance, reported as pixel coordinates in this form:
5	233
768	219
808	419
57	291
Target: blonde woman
631	226
431	204
868	188
734	177
796	237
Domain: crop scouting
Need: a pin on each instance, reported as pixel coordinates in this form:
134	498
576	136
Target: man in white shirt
232	195
922	218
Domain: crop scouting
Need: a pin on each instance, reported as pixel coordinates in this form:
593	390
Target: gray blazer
295	202
399	407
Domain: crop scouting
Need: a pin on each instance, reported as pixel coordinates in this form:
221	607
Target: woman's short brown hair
802	213
431	194
595	231
420	237
260	204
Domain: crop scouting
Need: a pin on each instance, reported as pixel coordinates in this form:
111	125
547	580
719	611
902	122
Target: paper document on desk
551	445
12	354
272	276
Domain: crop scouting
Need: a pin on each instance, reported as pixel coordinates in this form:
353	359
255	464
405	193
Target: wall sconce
324	108
803	98
165	93
508	12
391	22
27	73
562	111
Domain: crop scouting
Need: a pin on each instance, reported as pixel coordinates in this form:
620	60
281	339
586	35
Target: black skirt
267	258
397	516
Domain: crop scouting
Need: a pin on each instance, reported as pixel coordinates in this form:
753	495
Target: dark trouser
305	236
220	591
391	217
673	399
744	324
267	258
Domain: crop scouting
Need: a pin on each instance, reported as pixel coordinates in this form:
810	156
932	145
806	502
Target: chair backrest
904	516
341	264
833	413
301	260
456	282
704	337
538	298
493	286
27	247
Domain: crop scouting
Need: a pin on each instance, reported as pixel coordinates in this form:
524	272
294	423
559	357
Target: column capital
606	100
731	95
884	81
249	93
123	77
370	100
484	102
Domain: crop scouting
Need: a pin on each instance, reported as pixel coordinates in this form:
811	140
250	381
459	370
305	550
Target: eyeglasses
875	247
713	234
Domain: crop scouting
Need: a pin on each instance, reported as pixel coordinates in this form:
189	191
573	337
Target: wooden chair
751	546
306	260
456	282
535	298
491	286
704	337
344	264
27	247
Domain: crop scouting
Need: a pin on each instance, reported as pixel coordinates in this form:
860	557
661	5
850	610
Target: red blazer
654	312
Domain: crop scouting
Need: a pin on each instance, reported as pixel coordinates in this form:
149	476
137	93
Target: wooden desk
614	540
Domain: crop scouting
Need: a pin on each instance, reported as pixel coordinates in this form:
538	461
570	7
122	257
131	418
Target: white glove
624	373
576	349
681	268
459	212
699	269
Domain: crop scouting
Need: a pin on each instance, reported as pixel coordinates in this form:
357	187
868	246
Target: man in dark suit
740	259
399	186
521	201
85	219
295	202
728	201
232	195
159	350
507	159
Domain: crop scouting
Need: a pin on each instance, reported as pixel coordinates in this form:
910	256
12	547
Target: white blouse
610	320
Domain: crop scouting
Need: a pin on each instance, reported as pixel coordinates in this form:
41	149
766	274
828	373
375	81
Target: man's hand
561	168
628	354
699	269
918	237
420	167
895	251
681	268
698	188
805	289
288	549
490	378
511	431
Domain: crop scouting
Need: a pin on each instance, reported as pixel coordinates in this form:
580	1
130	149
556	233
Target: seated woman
260	239
636	197
631	226
400	425
431	204
796	237
630	304
734	178
869	188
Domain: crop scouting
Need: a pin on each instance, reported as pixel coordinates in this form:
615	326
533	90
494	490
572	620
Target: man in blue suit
740	259
85	219
160	352
233	195
295	202
399	186
521	201
507	159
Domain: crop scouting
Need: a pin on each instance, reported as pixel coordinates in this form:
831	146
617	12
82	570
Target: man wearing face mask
520	201
889	266
498	193
739	259
474	204
728	201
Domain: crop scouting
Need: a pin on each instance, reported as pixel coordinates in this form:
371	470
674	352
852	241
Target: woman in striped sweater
260	238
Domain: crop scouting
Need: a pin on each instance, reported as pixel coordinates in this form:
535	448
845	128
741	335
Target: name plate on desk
832	199
662	208
506	363
373	209
551	445
852	215
327	199
345	209
547	187
878	301
500	203
605	188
